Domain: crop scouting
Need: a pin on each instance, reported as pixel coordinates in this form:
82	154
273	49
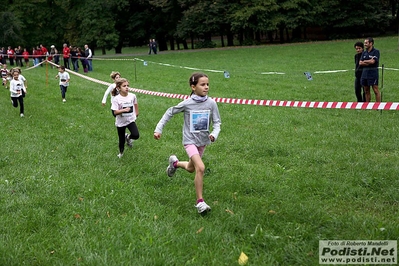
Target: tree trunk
172	43
230	38
281	29
162	44
297	33
288	34
184	42
257	36
240	37
118	49
208	36
103	50
270	36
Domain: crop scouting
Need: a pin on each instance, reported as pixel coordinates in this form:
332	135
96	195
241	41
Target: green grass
278	179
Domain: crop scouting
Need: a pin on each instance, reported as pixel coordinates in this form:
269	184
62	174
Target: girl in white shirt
64	81
125	109
18	89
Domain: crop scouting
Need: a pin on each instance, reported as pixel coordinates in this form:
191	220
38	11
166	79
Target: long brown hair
118	83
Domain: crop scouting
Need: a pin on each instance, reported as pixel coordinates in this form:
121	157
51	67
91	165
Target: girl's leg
62	88
14	101
21	105
121	136
134	131
197	164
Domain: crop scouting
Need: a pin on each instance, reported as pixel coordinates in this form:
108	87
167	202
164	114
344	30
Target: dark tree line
177	24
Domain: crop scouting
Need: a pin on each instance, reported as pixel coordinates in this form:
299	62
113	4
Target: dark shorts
369	81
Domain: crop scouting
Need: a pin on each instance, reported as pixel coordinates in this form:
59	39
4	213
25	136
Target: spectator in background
54	55
83	60
25	55
75	58
39	55
44	51
18	56
3	53
358	72
150	46
369	61
11	55
89	55
34	56
66	54
154	46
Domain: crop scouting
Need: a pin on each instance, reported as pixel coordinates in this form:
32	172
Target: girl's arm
106	93
168	115
136	109
216	124
124	110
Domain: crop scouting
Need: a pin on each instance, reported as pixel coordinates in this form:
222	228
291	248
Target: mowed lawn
278	179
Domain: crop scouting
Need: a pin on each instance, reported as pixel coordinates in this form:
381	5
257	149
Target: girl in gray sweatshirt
200	112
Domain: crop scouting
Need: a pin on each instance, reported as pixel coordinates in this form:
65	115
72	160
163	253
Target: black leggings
15	101
134	134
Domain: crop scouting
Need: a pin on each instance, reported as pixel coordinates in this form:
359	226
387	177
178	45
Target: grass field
278	179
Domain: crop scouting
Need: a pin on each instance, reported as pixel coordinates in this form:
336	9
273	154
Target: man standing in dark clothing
358	72
369	61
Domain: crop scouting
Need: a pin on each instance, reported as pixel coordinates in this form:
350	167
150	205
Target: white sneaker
21	115
63	100
129	141
202	207
120	155
171	170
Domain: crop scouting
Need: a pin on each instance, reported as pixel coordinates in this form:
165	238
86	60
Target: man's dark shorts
369	82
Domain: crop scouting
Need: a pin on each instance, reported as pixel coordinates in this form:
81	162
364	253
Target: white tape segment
299	104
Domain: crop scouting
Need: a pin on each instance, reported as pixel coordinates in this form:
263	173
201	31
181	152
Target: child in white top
125	109
64	81
4	75
200	112
114	76
18	89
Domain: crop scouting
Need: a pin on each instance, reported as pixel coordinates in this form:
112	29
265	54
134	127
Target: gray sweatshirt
198	117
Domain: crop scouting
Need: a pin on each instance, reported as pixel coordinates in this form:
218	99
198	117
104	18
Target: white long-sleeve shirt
16	86
107	92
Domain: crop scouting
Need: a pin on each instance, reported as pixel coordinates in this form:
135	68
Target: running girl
199	112
125	109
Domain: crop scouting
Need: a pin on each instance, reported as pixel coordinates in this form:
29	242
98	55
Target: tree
11	27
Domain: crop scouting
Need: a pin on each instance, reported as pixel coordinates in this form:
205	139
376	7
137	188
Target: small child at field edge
199	112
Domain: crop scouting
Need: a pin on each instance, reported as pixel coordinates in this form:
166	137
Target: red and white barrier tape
299	104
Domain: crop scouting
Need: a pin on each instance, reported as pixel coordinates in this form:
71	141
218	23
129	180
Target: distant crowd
70	55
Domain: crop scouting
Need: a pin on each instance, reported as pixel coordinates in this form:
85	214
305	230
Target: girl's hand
157	135
212	138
